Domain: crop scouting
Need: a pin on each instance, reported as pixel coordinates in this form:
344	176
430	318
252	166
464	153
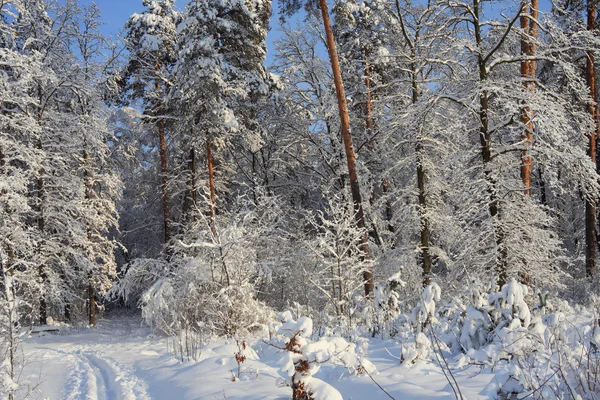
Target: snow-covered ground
121	359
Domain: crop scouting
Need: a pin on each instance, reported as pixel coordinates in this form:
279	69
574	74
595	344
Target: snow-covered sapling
424	313
386	303
302	359
240	356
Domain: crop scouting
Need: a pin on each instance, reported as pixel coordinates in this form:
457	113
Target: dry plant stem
375	382
456	390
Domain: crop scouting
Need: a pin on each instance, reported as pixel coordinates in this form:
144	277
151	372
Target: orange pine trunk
347	137
528	69
590	204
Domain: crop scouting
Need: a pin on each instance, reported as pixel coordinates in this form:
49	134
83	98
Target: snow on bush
386	305
207	285
301	358
532	355
424	312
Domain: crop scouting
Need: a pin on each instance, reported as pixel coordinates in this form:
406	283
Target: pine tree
227	40
151	38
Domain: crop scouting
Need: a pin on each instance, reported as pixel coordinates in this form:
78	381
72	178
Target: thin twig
457	392
375	382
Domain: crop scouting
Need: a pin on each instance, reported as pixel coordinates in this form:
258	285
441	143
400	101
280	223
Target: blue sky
116	12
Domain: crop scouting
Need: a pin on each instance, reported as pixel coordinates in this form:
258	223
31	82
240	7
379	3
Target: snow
121	359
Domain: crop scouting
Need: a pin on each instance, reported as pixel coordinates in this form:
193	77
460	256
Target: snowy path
120	360
84	366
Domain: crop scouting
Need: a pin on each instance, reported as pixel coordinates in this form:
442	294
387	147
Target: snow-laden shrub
177	304
416	345
533	356
235	310
301	358
424	313
337	253
386	306
208	283
490	317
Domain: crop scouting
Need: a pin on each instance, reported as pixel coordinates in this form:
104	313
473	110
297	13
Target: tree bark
164	180
422	195
40	221
189	204
369	102
347	137
590	204
529	16
91	304
160	125
88	197
211	187
529	27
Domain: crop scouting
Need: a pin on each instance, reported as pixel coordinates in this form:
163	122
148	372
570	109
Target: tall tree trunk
160	124
211	187
543	194
347	137
2	171
529	27
189	203
389	212
419	151
6	267
370	144
92	306
485	139
212	211
40	221
11	331
422	194
529	16
164	180
590	204
88	197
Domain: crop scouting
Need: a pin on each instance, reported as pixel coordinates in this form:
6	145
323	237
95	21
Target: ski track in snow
95	376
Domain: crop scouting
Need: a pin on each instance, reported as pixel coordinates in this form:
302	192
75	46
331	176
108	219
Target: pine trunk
590	204
347	137
164	181
160	124
189	203
211	187
528	70
528	20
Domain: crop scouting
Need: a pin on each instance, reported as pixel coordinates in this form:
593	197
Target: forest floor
122	359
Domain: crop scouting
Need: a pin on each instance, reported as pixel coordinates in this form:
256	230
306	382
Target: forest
422	173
